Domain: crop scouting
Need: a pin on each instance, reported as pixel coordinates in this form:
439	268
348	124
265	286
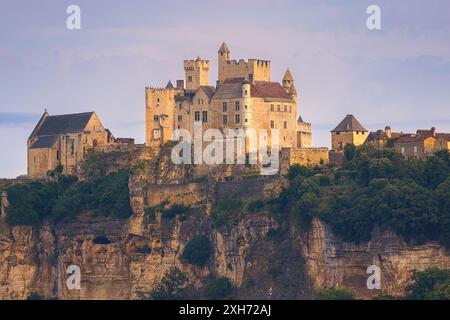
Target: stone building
349	131
423	144
64	140
383	138
244	97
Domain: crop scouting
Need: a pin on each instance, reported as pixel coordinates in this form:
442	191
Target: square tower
196	73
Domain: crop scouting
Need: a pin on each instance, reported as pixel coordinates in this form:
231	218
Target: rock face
123	259
333	263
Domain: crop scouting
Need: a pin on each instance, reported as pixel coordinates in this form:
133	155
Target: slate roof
349	124
44	142
209	91
62	124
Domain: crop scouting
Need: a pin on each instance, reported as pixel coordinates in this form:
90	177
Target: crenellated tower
196	73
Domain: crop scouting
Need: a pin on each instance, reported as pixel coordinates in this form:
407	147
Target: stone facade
244	98
64	140
303	156
349	131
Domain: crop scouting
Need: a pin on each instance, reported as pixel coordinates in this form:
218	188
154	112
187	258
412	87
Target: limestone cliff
121	259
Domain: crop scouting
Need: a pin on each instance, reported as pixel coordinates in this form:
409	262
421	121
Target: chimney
388	132
180	84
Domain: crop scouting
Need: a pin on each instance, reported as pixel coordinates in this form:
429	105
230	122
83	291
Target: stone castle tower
244	97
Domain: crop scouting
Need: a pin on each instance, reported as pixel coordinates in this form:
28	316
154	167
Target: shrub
64	199
336	294
227	212
170	286
255	206
431	284
197	251
218	288
34	296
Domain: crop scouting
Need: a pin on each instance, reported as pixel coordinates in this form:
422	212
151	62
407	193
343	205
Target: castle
244	97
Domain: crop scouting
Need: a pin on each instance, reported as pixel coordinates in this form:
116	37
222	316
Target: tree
218	288
170	287
197	251
336	294
431	284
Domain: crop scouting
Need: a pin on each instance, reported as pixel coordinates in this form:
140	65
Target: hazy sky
399	75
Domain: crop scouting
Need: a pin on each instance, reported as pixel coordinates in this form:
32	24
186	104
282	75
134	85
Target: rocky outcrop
333	263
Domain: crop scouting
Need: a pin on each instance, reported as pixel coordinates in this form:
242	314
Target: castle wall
253	69
309	157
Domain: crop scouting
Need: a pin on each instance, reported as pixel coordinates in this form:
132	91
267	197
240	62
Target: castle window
155	118
245	92
285	124
272	108
197	115
290	108
272	124
402	150
415	149
72	148
224	107
198	101
180	118
285	108
225	119
237	105
189	79
58	155
278	108
246	120
157	100
238	118
205	116
246	107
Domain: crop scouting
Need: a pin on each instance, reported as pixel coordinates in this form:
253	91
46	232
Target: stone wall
304	156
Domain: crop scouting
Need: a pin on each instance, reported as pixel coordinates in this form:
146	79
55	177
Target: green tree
431	284
336	294
197	251
218	288
171	286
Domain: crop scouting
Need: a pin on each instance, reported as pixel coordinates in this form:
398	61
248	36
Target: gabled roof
349	124
68	123
44	142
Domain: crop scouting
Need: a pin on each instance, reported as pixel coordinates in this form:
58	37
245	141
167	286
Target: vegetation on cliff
64	199
375	188
197	251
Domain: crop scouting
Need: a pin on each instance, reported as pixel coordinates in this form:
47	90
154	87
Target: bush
170	287
431	284
256	206
336	294
227	212
34	296
197	251
64	199
218	288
